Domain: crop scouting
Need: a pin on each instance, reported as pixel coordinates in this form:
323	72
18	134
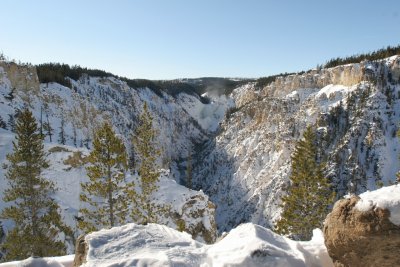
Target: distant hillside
59	73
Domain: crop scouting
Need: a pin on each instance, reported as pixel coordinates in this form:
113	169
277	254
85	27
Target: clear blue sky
166	39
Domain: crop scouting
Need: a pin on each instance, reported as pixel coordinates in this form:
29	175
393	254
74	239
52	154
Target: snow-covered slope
356	111
181	123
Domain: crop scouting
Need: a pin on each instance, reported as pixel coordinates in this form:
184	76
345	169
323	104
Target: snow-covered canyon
355	108
238	145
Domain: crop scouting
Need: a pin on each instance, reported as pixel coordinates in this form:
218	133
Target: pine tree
106	193
41	122
11	122
61	135
1	241
33	211
189	175
1	231
146	156
309	195
47	127
74	137
2	123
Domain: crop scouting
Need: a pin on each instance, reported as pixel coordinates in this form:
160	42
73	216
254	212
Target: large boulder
365	231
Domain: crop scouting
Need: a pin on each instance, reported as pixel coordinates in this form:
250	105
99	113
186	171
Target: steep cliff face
355	109
182	121
21	77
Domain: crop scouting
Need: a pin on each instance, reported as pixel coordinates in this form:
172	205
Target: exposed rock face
190	211
395	69
199	217
347	75
355	238
355	109
81	249
22	78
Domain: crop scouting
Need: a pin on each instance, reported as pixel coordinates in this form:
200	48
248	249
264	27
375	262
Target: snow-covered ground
62	261
384	198
157	245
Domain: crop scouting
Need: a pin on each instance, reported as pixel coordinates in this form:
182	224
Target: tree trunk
110	199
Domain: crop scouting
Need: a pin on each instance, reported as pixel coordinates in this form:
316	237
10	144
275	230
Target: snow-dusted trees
106	194
2	123
309	195
109	197
61	134
189	169
146	155
47	127
32	208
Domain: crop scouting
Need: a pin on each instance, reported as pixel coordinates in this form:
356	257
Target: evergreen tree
398	173
41	122
2	123
2	234
47	127
61	135
146	156
11	122
309	195
74	137
189	175
106	193
33	211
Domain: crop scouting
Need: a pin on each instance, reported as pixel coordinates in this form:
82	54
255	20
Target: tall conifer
106	193
32	209
309	195
147	152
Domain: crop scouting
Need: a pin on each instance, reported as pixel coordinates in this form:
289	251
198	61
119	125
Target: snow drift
157	245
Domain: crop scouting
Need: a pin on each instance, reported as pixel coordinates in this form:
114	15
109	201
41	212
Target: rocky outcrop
361	238
347	75
22	78
81	250
198	219
190	211
395	68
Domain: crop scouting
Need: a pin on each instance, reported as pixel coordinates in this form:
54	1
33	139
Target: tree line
108	198
376	55
59	73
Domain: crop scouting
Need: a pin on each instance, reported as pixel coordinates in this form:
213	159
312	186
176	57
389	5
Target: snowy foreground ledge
158	245
246	245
